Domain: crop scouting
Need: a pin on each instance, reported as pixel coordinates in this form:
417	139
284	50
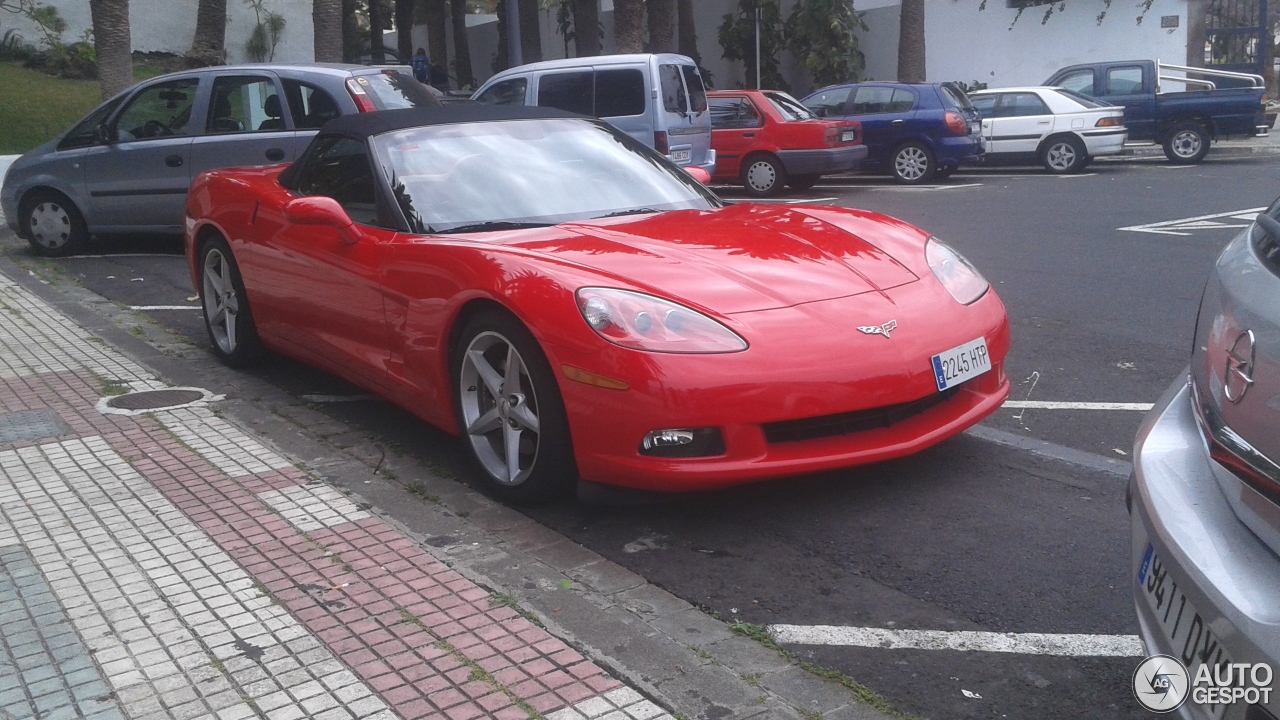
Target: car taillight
660	142
832	135
1233	452
1113	121
956	123
363	102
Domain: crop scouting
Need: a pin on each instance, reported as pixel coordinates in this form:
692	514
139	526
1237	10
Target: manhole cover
154	399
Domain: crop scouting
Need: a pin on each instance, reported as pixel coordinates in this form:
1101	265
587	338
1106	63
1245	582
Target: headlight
955	273
644	322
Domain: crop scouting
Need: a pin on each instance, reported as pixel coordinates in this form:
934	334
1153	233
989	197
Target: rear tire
763	175
52	224
226	306
803	182
1186	143
507	403
1062	155
913	164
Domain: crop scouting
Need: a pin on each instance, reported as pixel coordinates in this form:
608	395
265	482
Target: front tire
763	176
510	413
226	306
913	164
1186	143
1064	155
52	224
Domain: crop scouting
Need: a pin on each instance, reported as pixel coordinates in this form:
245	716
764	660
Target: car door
1020	120
139	180
1126	85
885	113
620	101
735	123
320	290
245	124
310	107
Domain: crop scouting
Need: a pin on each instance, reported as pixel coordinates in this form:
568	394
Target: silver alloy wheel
911	163
1186	143
1061	156
50	224
499	408
221	305
761	176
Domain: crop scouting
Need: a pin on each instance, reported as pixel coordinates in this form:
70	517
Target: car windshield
1084	100
790	107
518	173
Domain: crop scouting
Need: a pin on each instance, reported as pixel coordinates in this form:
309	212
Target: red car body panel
777	136
792	281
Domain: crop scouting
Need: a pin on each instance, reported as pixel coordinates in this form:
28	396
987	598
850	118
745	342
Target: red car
574	305
765	139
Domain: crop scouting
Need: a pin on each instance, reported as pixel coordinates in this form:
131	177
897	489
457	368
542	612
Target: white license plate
1188	633
681	156
847	136
954	366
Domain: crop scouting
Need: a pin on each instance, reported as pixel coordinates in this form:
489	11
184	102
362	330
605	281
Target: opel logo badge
1237	376
884	329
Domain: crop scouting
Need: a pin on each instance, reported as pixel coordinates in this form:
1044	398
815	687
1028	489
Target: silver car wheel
1061	156
221	305
499	408
761	176
911	163
50	224
1186	144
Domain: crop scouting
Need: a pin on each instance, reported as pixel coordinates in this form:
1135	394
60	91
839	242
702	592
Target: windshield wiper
492	225
632	211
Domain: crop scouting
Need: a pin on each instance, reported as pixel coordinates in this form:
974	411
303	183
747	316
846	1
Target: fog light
683	442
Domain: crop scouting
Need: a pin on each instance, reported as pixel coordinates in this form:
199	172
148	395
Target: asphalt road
970	535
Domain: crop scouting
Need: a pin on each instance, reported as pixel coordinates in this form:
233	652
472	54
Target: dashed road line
1054	405
962	640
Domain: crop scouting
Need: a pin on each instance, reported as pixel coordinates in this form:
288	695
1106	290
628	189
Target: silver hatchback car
1205	492
127	165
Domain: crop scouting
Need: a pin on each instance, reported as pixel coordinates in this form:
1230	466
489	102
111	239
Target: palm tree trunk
911	58
350	31
586	27
112	44
503	60
377	51
530	32
404	29
209	47
661	24
437	33
687	44
326	20
628	25
461	48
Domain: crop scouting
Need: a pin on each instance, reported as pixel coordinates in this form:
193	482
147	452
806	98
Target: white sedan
1060	129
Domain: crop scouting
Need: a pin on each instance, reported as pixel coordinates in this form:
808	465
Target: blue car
916	132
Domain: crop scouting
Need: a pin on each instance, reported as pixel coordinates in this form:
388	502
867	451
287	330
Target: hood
740	258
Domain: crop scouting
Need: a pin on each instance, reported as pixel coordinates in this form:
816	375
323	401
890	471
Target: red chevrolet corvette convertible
575	306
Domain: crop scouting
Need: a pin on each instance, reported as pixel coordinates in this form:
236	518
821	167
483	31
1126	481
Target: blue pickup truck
1183	122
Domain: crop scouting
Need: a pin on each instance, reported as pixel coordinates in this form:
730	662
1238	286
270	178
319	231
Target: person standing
420	65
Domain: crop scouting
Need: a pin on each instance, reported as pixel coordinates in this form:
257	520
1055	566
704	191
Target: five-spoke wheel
226	309
1064	155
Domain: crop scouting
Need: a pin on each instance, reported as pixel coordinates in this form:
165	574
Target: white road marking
1054	405
337	398
164	307
784	201
963	640
893	187
1199	222
1076	175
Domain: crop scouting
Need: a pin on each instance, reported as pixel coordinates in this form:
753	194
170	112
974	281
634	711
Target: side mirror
320	210
699	174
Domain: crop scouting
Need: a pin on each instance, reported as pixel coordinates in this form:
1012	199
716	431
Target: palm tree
326	20
377	23
210	44
111	43
661	24
437	32
911	42
586	24
404	28
530	32
628	25
461	48
350	31
687	44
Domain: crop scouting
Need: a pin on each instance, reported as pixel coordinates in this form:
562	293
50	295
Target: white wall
170	25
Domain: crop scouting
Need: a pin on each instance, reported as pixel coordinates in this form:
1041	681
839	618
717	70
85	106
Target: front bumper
1228	575
9	207
822	161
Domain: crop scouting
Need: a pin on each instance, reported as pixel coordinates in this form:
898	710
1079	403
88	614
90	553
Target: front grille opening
853	422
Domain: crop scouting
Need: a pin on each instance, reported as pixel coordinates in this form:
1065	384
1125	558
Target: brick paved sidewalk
165	564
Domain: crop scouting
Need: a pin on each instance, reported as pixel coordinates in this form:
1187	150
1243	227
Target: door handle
898	122
748	134
173	161
1043	122
275	154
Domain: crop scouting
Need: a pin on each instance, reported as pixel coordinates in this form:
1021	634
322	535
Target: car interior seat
272	109
222	120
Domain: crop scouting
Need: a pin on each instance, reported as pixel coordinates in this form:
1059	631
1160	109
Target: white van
656	99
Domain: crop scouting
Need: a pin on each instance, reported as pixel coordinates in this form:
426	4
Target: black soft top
366	125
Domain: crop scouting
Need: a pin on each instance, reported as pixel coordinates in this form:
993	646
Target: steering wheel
155	128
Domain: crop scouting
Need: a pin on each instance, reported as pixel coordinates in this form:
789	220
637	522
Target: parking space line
890	187
1199	222
164	307
1063	645
1053	405
338	398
